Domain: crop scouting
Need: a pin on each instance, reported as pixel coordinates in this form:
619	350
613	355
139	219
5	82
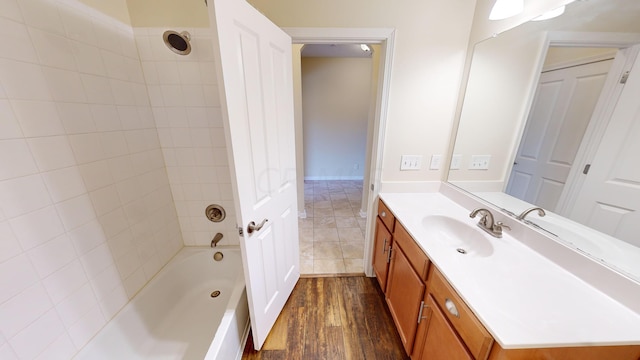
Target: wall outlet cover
436	161
456	160
410	162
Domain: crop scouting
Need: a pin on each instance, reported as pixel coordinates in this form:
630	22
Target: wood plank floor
332	318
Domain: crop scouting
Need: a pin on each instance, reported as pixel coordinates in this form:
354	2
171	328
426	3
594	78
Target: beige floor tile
350	234
346	222
321	197
322	212
306	234
324	222
326	266
325	235
352	250
353	265
327	250
343	212
306	250
339	204
336	197
322	204
362	223
306	266
306	223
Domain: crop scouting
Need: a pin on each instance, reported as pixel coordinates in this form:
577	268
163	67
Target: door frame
385	37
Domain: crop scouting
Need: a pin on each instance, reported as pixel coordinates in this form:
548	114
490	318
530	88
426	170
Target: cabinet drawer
414	253
386	216
474	335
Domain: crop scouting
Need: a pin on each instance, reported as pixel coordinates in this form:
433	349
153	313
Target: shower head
177	42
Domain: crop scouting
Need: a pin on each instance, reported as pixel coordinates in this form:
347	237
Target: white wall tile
7	353
60	349
208	73
134	282
121	168
122	92
37	227
107	37
64	183
52	152
106	117
105	199
9	127
76	118
193	95
23	80
16	41
9	246
114	64
76	305
211	95
42	14
23	309
64	85
53	50
97	89
65	281
114	301
16	159
172	95
37	118
177	117
97	260
34	339
106	281
85	328
16	274
52	255
10	10
87	147
77	26
76	211
114	143
23	195
87	237
155	95
88	59
114	222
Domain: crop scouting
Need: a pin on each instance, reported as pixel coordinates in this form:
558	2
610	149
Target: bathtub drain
215	294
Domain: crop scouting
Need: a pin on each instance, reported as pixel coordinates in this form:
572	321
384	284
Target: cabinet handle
384	246
383	214
422	307
451	307
389	255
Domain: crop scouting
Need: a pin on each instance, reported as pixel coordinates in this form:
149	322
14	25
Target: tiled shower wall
86	210
184	97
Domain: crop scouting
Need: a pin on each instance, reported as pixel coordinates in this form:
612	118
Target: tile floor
332	235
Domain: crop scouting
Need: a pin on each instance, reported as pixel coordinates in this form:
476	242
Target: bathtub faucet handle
216	239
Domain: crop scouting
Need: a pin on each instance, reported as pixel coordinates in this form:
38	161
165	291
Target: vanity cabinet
385	223
442	341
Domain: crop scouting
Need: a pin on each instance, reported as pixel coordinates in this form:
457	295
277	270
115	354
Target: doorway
384	39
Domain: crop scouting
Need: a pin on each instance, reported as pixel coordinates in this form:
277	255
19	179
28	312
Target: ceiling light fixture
365	47
551	14
503	9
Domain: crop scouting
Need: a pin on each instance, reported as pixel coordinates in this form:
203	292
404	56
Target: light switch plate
411	162
480	162
436	161
456	160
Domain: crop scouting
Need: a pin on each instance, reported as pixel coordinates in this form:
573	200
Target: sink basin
458	235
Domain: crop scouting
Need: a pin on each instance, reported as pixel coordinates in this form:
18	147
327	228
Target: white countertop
522	298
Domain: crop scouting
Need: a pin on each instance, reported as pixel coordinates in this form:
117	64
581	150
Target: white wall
86	211
336	96
184	97
427	65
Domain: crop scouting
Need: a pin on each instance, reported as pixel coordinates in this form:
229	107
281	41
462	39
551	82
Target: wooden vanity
433	320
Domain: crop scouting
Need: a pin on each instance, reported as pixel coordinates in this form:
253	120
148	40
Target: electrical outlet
436	160
410	162
456	160
480	162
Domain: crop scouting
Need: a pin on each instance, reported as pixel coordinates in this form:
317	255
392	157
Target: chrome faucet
541	213
487	223
216	240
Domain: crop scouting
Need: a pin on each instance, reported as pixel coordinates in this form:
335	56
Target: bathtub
176	316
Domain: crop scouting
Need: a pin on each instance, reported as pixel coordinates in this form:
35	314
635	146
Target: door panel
254	64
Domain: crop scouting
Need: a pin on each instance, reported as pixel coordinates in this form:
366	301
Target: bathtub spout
216	240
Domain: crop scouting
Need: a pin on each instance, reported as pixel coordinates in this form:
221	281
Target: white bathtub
174	315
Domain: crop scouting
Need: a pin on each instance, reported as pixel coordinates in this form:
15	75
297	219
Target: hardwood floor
332	318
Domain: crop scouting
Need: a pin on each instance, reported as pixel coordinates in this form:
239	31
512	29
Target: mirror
544	100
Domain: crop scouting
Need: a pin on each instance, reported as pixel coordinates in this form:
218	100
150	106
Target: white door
609	200
562	108
256	69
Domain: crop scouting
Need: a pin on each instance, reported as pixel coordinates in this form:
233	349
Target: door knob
253	227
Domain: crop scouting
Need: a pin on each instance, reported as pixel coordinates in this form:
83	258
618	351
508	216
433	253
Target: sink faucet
216	240
541	213
487	224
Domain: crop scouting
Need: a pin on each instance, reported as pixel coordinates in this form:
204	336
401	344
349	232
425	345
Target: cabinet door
442	341
404	294
381	258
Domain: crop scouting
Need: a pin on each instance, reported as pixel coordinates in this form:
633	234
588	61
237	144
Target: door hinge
586	169
240	231
624	77
372	187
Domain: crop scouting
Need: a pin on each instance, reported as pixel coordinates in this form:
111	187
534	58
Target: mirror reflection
551	118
